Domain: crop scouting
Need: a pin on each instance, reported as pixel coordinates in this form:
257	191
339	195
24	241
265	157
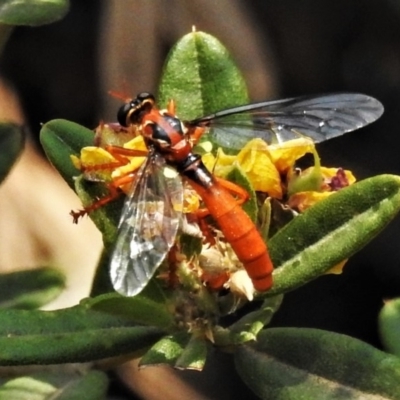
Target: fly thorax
167	135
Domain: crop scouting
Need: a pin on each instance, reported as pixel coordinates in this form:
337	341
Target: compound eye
144	96
132	112
125	113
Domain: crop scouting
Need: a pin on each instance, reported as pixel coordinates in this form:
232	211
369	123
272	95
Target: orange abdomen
240	232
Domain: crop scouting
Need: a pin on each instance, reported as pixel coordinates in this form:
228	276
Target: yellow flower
98	164
135	162
221	164
336	178
303	200
284	155
90	161
191	200
332	180
255	160
263	164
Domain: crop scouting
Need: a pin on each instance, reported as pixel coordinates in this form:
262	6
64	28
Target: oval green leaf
11	145
167	350
32	12
141	309
106	218
295	363
254	321
332	230
389	326
201	77
76	334
56	386
194	355
30	289
239	177
60	139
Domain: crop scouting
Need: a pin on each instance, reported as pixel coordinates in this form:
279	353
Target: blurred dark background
286	48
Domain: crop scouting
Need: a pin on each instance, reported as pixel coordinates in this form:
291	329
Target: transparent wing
148	226
318	117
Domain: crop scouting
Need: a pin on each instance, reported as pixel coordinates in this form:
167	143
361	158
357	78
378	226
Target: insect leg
114	191
241	195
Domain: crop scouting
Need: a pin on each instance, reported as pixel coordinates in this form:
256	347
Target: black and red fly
151	216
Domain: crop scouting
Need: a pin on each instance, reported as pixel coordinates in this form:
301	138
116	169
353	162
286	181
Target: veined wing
148	226
317	117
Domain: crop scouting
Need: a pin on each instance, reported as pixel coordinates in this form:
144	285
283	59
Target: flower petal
92	157
241	285
303	200
284	155
135	162
338	268
256	162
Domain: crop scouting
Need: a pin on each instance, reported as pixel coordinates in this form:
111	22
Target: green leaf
61	139
167	350
332	230
30	289
238	176
264	217
106	217
141	309
224	337
180	350
301	363
56	386
310	180
194	355
248	327
11	145
389	326
201	77
76	334
32	12
254	321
